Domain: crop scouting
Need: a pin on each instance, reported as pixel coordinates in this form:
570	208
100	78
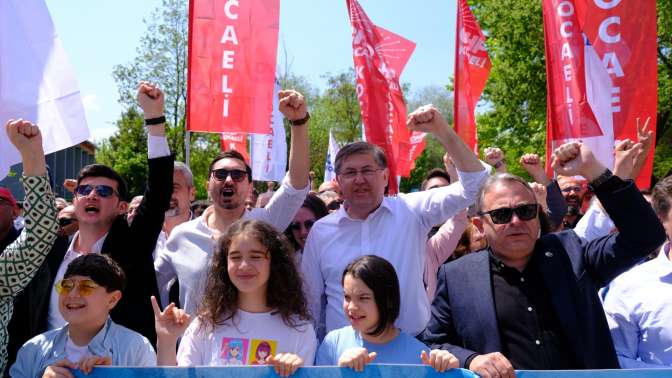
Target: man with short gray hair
394	228
529	301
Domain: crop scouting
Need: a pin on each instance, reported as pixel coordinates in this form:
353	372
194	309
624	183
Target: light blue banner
371	371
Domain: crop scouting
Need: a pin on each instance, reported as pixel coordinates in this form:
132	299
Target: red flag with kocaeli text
232	57
235	141
569	114
472	67
623	34
380	56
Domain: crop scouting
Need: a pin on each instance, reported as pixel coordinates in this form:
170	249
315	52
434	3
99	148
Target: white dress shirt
190	244
638	305
396	231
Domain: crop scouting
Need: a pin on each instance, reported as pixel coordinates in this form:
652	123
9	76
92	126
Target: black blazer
130	246
463	319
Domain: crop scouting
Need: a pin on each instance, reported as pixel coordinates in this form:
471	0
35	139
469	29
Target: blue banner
371	371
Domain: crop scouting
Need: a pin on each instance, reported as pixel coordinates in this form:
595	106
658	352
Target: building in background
61	164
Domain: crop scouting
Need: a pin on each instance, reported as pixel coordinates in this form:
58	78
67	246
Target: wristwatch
155	121
299	122
599	180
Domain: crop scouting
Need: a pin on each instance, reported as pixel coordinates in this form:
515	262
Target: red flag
569	115
472	67
380	56
623	33
232	56
235	141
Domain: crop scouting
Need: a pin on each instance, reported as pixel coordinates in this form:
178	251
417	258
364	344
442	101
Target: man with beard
100	205
179	212
574	191
191	244
394	228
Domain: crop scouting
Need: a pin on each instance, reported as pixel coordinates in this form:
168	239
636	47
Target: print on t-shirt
260	349
234	351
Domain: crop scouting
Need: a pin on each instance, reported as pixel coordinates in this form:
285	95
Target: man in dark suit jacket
100	207
530	302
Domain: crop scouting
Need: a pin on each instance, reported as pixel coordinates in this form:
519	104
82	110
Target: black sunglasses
66	221
103	191
296	226
221	174
504	214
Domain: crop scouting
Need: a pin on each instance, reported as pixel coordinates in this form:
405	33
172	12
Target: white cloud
90	102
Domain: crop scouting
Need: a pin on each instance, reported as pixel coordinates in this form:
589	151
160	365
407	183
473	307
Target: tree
126	151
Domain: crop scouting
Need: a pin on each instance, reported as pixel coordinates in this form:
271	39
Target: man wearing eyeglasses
99	201
191	244
394	228
530	302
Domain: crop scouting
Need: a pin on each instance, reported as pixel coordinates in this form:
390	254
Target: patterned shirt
21	259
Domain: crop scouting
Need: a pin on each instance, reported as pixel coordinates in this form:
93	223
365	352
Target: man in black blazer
100	207
530	302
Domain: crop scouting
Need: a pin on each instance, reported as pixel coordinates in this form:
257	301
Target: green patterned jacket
21	259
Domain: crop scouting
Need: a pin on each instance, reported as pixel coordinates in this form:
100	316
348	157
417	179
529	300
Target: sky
315	34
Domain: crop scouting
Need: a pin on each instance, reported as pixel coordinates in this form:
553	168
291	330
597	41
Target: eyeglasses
66	221
85	287
221	174
296	226
503	215
571	189
102	190
350	174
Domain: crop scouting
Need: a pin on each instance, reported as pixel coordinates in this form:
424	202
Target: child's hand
356	358
285	364
60	369
171	322
87	363
440	360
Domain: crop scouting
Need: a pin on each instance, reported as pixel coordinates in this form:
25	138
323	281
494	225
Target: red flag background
472	67
379	57
623	33
235	141
232	56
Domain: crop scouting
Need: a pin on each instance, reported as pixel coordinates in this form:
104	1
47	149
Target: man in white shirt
191	244
394	228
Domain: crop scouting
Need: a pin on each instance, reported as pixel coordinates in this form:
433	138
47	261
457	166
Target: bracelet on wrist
155	121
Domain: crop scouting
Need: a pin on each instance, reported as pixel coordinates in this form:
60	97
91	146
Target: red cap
6	195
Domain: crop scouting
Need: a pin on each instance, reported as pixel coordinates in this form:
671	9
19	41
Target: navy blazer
463	319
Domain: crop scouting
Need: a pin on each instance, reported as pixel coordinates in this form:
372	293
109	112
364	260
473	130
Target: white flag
330	163
269	151
599	93
37	82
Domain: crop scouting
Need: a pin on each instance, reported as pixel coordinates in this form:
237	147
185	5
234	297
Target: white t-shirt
75	353
245	340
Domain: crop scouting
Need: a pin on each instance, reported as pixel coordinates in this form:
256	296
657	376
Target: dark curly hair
284	293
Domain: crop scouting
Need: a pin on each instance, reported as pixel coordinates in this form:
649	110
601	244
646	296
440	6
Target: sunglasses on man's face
296	226
85	287
221	174
503	215
103	191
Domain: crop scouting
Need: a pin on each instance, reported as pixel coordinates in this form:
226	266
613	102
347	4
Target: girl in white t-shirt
253	311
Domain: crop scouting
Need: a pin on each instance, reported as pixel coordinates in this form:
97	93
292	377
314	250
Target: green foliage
126	151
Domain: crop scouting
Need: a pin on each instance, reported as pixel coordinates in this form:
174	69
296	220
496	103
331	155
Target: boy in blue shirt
90	289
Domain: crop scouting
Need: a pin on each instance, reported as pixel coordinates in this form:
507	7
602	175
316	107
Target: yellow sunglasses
85	287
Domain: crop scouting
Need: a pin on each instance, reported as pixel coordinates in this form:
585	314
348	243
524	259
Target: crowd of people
478	269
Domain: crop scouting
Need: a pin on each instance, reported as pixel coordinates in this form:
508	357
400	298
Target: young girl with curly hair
253	299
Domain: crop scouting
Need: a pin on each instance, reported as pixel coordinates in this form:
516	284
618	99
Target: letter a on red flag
623	34
380	56
472	67
232	56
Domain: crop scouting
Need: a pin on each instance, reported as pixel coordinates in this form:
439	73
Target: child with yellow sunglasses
90	289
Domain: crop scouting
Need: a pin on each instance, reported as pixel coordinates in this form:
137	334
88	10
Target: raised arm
292	105
41	225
